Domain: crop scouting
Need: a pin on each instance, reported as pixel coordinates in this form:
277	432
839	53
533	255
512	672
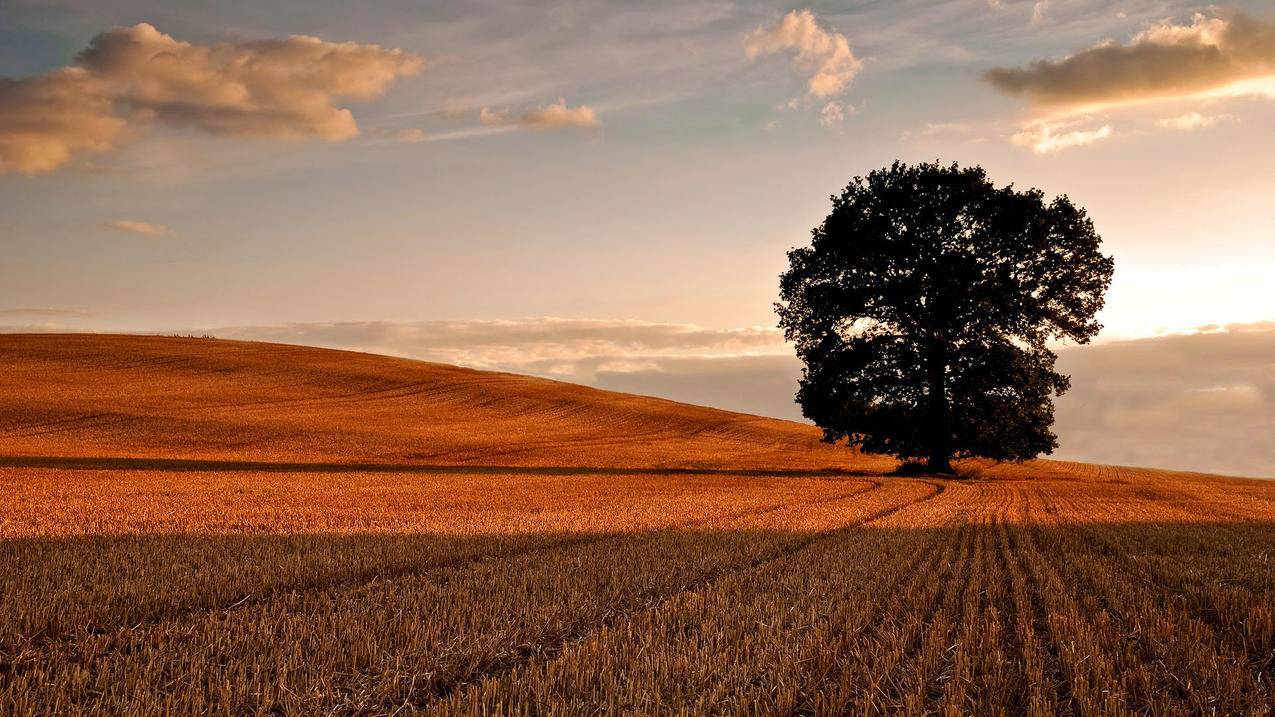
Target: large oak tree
924	308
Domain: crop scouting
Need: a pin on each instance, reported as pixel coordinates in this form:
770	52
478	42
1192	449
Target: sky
605	192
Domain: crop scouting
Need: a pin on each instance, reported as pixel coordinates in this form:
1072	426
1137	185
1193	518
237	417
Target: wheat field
197	526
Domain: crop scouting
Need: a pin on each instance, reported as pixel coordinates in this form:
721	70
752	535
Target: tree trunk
940	459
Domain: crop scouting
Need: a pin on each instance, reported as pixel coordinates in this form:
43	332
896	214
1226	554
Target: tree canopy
924	307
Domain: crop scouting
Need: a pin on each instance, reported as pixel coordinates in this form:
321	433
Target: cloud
761	385
46	311
411	135
825	54
133	226
1163	62
946	132
39	328
47	119
130	78
554	116
941	129
1202	401
1190	121
1048	137
745	369
1038	11
834	114
574	349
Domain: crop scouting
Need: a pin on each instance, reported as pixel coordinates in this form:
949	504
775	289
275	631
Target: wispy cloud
947	132
1190	121
557	115
410	135
941	129
47	327
133	226
1038	11
132	77
47	311
834	114
1048	136
574	349
747	369
468	133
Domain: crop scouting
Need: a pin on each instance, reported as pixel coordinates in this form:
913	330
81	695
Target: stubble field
210	527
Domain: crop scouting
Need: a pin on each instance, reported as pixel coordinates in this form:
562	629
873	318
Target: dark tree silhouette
923	308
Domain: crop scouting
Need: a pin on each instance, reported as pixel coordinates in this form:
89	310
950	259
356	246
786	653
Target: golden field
196	526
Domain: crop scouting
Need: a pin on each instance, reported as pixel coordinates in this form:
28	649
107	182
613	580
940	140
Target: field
195	526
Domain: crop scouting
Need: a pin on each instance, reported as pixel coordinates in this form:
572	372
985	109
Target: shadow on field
179	465
140	624
53	587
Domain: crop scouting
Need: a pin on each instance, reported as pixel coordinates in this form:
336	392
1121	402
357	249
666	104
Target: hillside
166	397
195	526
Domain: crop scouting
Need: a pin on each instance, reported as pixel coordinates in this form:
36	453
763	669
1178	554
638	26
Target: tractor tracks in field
1122	604
499	668
921	566
72	423
430	388
444	567
396	390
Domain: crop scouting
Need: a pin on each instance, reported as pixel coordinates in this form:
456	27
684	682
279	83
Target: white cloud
133	226
834	114
1190	121
132	77
553	116
1048	137
827	55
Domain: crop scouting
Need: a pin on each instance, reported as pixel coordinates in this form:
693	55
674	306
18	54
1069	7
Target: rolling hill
167	397
195	526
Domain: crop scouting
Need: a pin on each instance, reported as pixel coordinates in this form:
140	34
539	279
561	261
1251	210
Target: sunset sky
604	192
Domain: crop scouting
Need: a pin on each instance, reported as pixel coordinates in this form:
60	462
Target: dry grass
198	398
598	554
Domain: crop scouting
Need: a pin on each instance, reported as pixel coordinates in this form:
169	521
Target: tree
923	309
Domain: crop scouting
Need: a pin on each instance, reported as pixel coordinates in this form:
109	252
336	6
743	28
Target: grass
707	564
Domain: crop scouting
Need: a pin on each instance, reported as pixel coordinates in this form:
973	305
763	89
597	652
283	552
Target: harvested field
209	527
